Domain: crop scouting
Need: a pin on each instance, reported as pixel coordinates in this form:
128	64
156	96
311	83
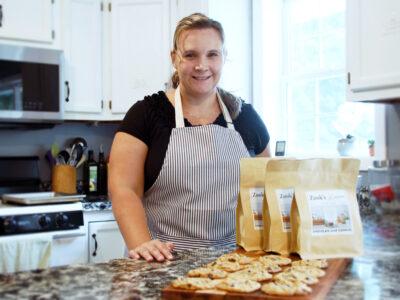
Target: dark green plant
371	143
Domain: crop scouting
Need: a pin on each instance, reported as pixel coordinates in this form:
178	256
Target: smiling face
199	60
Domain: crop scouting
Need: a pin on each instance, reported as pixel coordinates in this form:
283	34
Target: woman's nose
201	64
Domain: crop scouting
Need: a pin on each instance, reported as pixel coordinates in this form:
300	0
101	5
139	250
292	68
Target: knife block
64	179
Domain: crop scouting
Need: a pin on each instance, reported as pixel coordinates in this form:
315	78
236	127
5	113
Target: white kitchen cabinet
373	47
105	241
116	53
83	49
139	50
29	22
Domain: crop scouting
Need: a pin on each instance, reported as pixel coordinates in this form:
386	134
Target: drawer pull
95	244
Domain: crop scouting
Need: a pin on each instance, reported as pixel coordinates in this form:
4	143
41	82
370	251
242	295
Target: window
302	97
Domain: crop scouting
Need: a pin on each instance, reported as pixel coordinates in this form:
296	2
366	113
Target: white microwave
30	84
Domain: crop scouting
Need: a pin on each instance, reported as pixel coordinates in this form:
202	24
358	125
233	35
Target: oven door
69	247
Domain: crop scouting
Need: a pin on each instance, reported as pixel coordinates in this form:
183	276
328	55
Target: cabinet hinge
110	104
348	77
101	6
102	104
109	7
53	34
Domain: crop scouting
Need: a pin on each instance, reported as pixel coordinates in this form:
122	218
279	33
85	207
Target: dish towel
25	253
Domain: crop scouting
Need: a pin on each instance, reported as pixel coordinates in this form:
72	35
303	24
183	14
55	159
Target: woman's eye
189	55
212	54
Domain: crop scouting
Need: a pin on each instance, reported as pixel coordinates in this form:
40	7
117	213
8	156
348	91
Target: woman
174	164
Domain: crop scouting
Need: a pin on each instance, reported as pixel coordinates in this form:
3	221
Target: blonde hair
201	21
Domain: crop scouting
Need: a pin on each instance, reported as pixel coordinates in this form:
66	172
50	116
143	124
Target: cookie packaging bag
325	218
249	221
280	181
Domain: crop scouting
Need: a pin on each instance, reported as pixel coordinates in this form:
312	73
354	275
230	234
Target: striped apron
193	201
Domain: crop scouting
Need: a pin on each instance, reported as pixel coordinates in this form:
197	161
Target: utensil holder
64	179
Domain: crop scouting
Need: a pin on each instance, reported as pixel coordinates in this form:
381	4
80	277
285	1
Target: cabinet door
83	58
105	241
373	46
139	51
29	20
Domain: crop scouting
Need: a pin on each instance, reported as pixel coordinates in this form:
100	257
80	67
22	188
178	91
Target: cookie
235	257
318	263
191	283
285	288
309	270
296	277
211	273
275	260
226	266
241	286
251	274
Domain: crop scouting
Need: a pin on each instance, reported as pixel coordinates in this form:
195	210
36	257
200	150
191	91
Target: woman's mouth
201	77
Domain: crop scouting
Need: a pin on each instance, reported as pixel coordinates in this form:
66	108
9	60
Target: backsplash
25	142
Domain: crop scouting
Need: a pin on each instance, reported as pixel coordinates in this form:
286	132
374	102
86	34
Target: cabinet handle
95	244
67	85
1	15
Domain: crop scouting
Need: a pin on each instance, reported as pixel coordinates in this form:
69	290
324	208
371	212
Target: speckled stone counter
373	276
96	205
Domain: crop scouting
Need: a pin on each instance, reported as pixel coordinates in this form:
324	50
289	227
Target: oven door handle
69	235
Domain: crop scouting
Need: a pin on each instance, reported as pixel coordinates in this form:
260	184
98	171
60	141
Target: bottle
102	174
90	174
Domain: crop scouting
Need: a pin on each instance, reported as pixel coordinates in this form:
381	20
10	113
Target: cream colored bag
249	223
280	181
325	217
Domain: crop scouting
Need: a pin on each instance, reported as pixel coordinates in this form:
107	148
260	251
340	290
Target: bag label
330	211
285	197
256	201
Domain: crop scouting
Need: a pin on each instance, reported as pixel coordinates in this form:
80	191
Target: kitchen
101	123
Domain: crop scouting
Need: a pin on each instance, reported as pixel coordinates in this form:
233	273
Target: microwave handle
1	15
67	85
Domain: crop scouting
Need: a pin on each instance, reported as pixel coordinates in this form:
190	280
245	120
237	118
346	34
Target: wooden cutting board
319	290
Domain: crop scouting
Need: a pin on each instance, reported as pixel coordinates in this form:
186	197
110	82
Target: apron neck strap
179	112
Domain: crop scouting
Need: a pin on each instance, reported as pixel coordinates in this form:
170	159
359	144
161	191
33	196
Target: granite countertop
373	276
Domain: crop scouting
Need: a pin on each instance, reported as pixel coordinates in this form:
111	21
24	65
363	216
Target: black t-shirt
151	120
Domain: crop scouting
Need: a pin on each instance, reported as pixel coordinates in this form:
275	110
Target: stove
21	175
16	219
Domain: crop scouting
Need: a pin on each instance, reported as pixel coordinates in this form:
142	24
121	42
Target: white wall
235	17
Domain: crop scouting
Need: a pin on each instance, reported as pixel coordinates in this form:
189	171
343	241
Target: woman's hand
153	249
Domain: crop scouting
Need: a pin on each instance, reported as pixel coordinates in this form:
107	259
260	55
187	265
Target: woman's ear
173	57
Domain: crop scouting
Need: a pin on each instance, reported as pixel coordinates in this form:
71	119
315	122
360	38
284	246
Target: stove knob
44	221
9	225
61	220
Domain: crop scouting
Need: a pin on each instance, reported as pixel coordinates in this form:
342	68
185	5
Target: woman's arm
266	152
126	186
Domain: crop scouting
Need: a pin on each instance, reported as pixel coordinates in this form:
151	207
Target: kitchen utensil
50	158
81	161
62	157
76	155
81	141
55	149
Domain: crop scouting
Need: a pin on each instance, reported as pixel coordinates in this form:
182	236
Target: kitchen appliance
30	84
40	218
62	223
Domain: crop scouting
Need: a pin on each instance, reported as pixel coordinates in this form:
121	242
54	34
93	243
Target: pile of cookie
273	274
